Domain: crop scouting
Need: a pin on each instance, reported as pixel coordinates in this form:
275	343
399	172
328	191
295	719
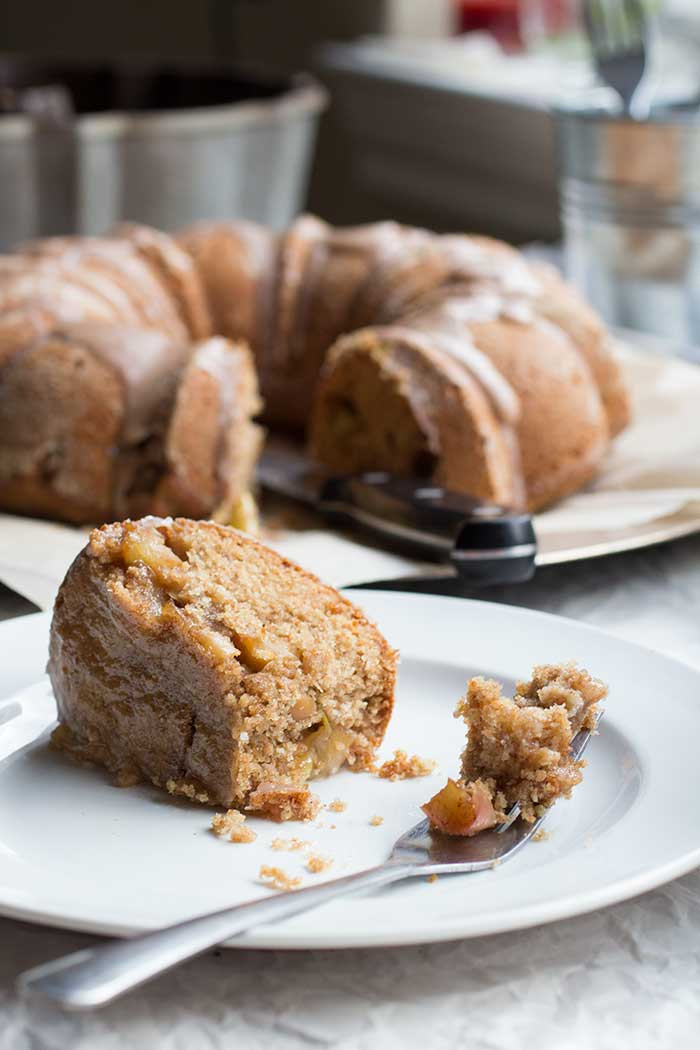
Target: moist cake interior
193	656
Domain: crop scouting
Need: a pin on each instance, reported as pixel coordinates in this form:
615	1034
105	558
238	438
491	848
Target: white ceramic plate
77	852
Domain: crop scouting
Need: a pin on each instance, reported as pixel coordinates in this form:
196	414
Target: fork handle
95	976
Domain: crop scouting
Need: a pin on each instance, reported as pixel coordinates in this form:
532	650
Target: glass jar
630	201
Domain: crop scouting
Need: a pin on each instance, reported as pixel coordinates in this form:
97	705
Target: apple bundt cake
189	655
518	750
441	356
451	357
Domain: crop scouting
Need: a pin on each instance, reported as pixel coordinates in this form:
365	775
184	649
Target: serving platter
76	851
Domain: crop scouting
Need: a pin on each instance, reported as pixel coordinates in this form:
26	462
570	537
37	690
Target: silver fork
618	31
95	976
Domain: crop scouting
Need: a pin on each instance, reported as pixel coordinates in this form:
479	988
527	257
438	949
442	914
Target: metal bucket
630	194
161	146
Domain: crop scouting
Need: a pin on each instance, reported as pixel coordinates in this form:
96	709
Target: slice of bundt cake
212	445
189	655
80	409
102	421
392	397
503	410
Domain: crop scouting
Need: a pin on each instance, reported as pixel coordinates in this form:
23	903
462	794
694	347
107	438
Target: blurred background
438	109
433	112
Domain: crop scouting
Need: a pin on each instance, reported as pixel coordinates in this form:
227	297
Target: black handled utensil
486	543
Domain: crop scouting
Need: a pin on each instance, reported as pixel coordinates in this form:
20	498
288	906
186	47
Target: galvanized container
246	157
630	197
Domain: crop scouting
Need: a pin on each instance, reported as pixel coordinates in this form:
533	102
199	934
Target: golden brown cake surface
189	655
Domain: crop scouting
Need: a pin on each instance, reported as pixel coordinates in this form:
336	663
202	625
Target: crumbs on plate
316	863
402	766
289	844
232	824
278	879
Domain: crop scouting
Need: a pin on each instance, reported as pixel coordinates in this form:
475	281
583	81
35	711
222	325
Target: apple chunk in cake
518	750
190	655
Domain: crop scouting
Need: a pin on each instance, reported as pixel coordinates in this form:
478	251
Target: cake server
485	543
96	976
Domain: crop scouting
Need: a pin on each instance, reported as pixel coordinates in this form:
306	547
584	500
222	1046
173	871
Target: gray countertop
626	976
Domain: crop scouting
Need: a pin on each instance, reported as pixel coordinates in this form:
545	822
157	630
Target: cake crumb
432	878
316	863
278	879
376	820
402	766
188	789
289	844
520	747
495	863
232	823
282	802
337	806
541	835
